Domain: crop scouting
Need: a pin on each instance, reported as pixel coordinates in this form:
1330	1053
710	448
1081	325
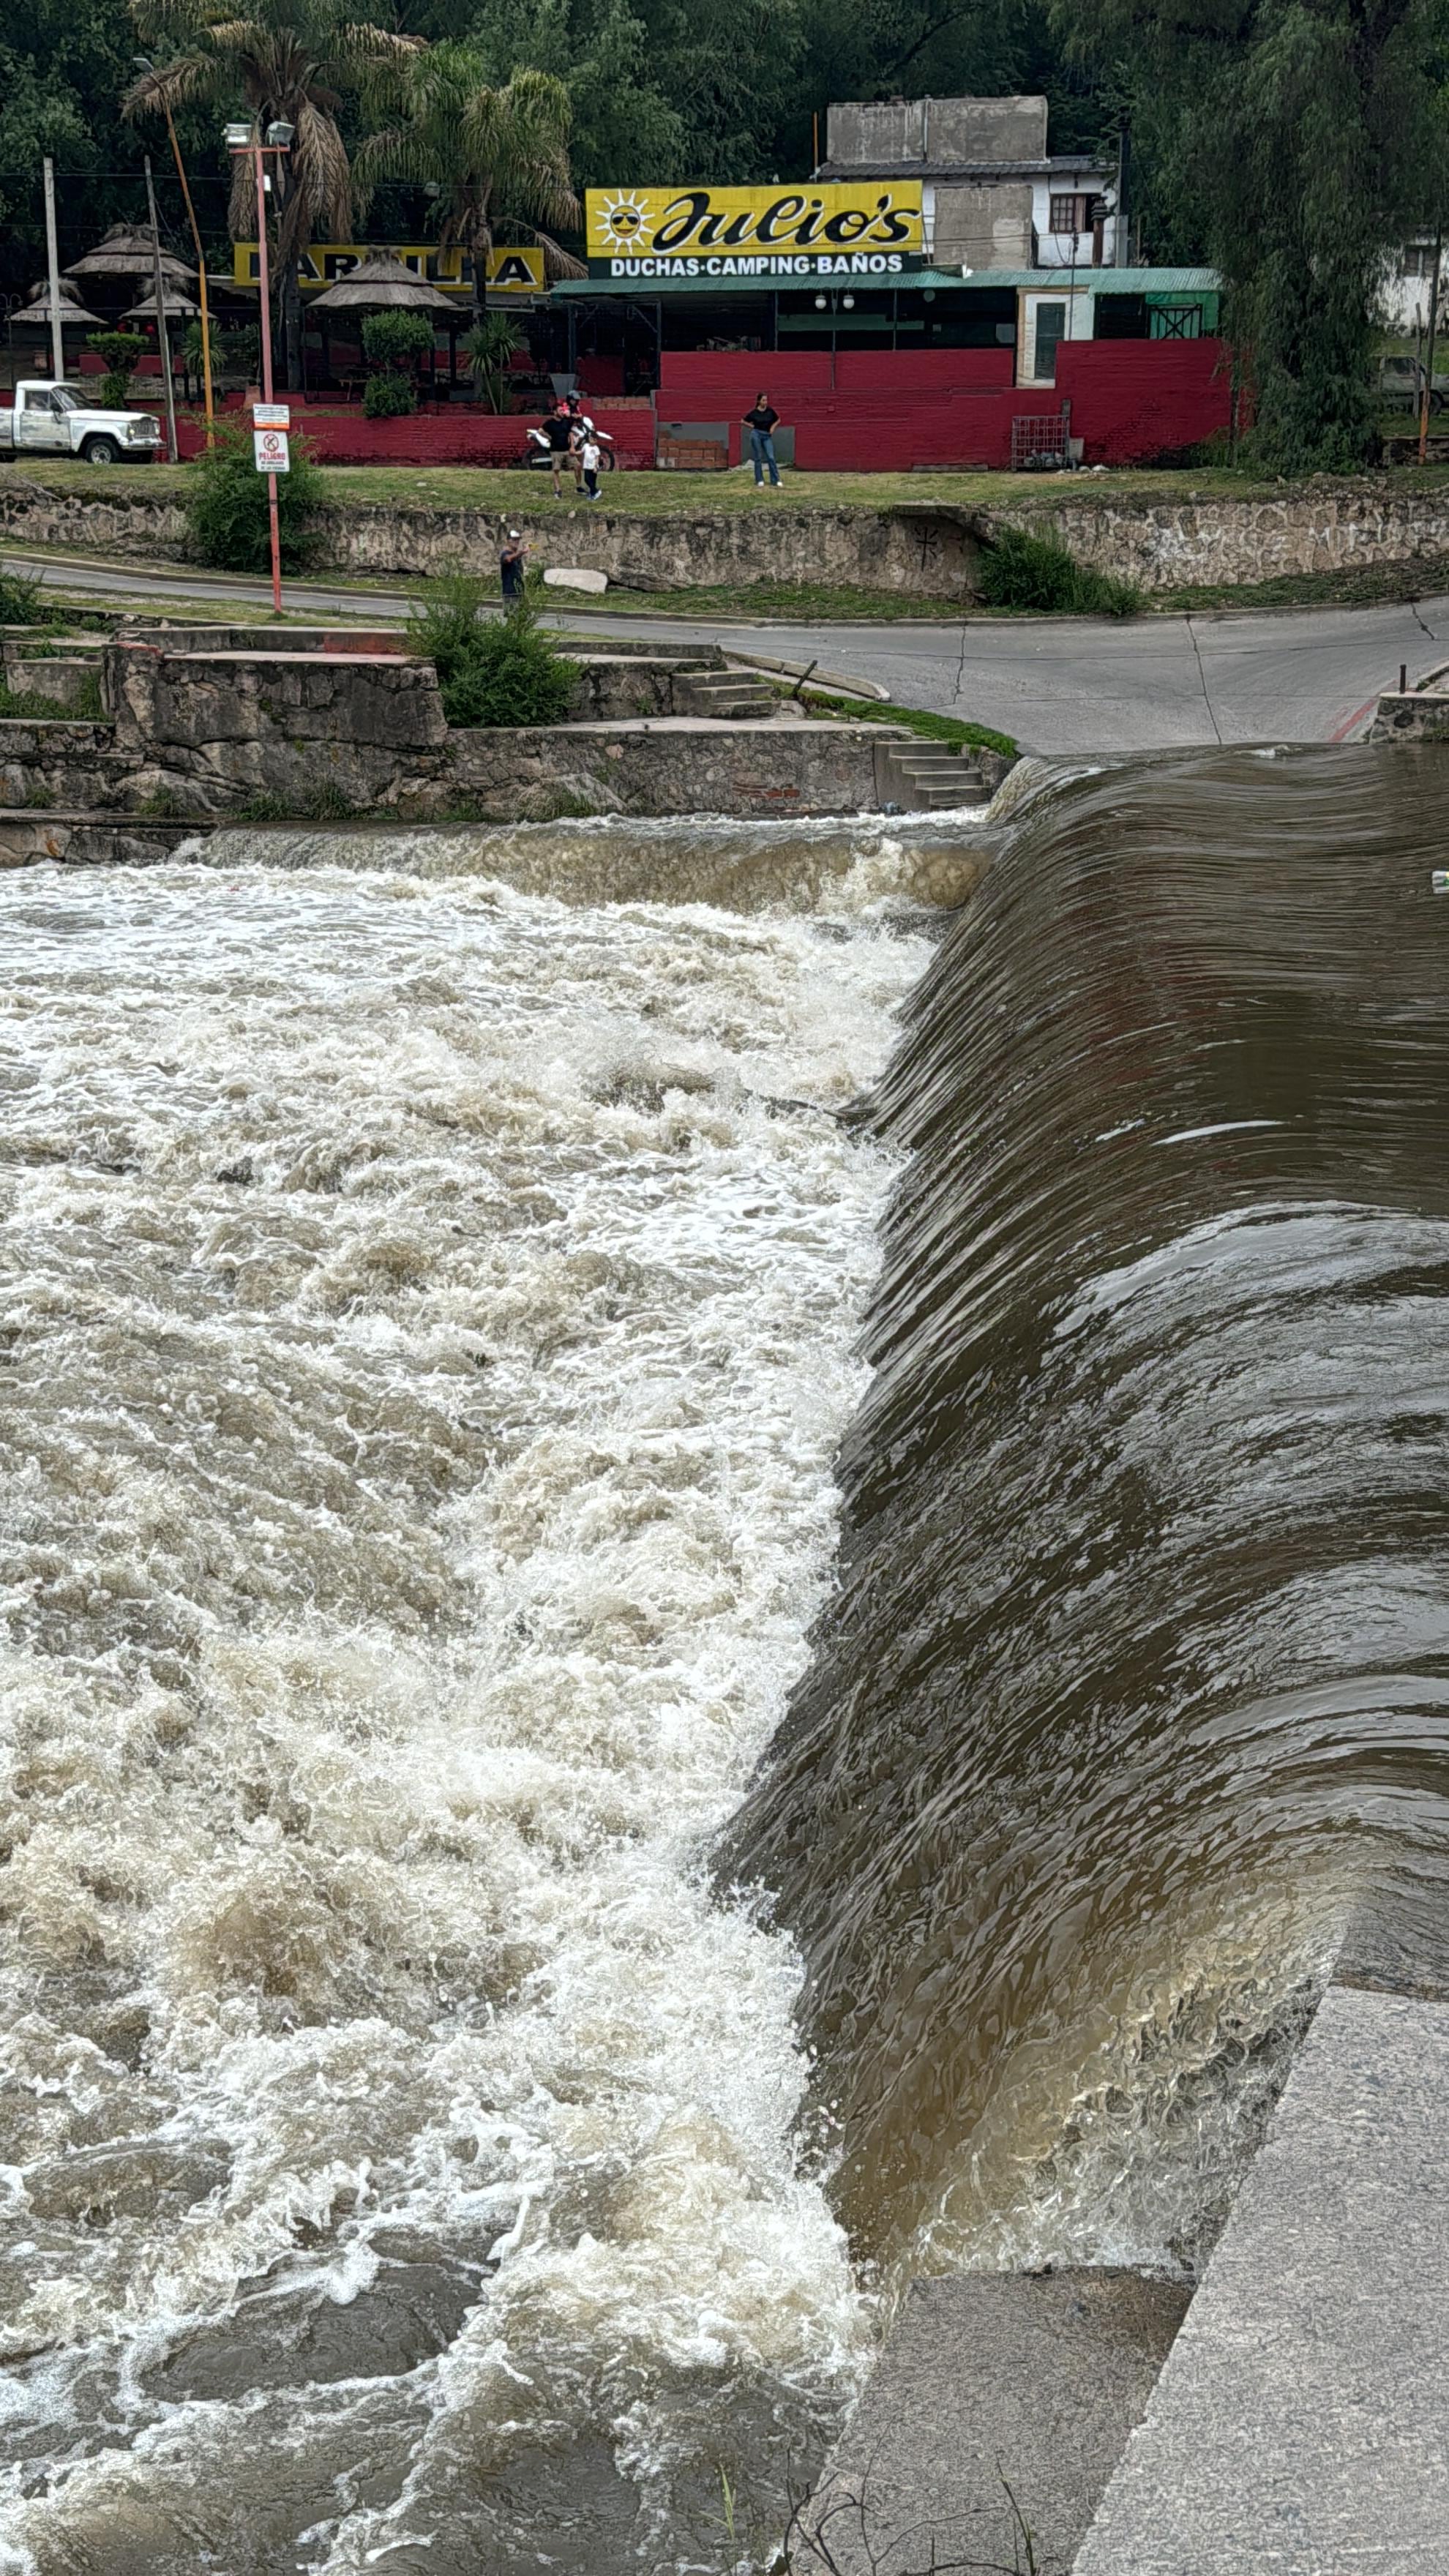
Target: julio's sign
863	229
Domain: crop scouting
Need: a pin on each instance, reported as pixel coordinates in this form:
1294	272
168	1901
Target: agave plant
497	155
286	60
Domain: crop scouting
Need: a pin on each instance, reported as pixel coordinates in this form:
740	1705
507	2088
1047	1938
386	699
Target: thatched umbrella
383	284
380	285
177	306
124	253
73	314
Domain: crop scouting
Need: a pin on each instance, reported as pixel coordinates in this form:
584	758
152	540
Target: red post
266	316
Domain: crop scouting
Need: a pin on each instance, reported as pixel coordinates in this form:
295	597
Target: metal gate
1040	439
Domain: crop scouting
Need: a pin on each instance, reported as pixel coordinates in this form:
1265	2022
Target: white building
1407	287
992	196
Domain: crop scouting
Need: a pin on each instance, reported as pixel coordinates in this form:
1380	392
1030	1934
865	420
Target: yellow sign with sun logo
769	231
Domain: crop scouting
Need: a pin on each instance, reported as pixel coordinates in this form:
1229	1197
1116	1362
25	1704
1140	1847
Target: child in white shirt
590	454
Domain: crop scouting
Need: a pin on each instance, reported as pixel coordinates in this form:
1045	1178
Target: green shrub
233	353
1019	571
492	670
20	601
226	505
388	397
492	345
393	341
394	344
123	352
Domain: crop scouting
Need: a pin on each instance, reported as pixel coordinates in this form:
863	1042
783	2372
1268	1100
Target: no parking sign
271	451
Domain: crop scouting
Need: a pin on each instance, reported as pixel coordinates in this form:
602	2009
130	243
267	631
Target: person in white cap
511	565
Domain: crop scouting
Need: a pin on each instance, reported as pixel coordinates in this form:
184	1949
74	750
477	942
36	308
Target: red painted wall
888	410
455	436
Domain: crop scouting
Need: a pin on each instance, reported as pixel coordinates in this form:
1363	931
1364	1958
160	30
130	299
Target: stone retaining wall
915	551
742	769
928	550
1171	545
207	734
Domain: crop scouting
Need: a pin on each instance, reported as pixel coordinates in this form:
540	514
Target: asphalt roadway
1054	684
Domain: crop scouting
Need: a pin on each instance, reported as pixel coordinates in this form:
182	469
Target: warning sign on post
271	451
271	416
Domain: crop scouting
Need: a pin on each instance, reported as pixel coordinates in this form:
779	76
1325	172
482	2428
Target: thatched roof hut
127	253
178	306
73	315
384	284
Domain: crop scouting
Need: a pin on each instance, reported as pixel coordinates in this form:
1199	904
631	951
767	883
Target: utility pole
163	337
1429	357
57	342
200	278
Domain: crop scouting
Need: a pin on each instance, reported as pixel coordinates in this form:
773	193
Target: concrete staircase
735	695
930	776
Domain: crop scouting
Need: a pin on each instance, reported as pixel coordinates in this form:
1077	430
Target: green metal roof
1102	281
644	289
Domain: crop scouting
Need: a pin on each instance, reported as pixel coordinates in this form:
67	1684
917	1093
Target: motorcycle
536	449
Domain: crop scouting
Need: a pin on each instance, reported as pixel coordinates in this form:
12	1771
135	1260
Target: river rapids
705	1601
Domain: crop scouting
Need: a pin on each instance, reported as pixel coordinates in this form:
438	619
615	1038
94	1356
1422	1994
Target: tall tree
498	155
624	129
291	61
1295	142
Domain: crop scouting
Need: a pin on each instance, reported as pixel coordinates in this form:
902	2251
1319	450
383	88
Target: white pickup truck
55	420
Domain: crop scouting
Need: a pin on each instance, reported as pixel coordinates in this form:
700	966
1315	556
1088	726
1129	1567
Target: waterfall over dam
1135	1684
705	1602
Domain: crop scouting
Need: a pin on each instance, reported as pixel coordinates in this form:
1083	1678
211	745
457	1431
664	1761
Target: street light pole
280	140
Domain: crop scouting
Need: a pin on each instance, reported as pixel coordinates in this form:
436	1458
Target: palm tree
287	60
498	157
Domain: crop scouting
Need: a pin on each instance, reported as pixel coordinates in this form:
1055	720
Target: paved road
1056	684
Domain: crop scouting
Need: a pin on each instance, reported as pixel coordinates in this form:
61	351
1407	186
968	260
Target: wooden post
200	279
163	341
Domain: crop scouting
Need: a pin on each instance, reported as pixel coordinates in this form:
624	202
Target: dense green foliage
492	670
388	396
226	505
1021	571
1295	144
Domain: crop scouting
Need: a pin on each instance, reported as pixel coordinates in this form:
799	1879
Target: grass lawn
1372	586
666	495
953	730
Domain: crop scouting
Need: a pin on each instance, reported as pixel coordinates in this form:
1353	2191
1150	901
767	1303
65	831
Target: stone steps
932	779
731	694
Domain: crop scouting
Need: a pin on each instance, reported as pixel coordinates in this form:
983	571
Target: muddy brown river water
704	1602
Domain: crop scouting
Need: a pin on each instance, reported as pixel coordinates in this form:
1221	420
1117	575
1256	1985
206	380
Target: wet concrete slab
1301	2422
1002	2404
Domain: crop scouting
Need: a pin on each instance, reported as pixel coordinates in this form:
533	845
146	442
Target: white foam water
426	1322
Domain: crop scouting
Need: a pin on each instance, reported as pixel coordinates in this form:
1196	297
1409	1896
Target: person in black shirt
561	431
760	423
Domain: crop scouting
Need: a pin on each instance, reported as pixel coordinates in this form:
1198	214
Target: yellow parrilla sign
510	272
866	228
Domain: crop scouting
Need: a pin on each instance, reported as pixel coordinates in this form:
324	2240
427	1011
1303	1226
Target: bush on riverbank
491	670
1018	571
226	505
